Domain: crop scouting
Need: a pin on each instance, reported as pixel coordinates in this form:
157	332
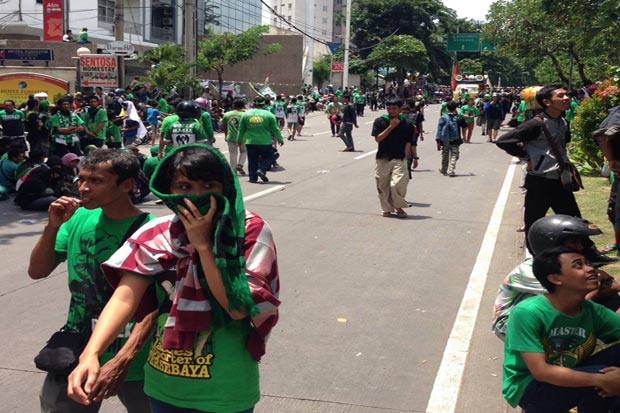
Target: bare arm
608	381
115	315
113	373
383	135
43	255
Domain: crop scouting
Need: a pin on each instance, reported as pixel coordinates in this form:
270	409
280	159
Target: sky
471	9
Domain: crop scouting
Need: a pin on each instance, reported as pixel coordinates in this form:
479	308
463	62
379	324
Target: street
368	302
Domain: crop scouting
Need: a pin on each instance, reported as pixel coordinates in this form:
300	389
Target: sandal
609	248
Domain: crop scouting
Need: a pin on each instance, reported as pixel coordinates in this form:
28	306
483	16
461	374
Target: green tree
556	31
401	52
168	68
374	21
321	70
218	51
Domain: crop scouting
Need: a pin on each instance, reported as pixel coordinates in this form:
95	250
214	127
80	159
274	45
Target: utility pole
189	39
119	35
65	15
347	34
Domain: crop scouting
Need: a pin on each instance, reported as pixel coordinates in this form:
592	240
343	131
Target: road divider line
365	155
263	193
320	133
448	380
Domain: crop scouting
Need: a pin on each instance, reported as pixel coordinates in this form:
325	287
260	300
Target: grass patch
592	202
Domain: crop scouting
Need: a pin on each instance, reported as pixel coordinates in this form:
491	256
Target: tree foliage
429	21
321	70
218	51
168	68
534	31
402	52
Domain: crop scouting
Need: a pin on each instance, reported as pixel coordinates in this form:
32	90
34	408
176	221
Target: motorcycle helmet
550	231
201	102
187	109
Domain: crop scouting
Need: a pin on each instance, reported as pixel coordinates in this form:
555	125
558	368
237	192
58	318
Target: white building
146	22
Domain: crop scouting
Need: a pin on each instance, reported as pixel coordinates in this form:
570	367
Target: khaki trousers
392	179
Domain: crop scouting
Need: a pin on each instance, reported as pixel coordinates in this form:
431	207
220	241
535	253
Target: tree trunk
580	66
557	66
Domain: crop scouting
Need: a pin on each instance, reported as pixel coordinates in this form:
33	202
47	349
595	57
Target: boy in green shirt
95	121
469	112
114	138
549	364
236	147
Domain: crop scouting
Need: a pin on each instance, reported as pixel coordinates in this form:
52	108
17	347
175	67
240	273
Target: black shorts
301	121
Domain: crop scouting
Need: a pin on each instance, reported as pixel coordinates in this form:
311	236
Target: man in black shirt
349	119
392	132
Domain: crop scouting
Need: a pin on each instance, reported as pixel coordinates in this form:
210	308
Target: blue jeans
540	397
161	407
260	157
346	136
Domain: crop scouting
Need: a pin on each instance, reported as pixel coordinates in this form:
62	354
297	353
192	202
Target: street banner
52	20
98	70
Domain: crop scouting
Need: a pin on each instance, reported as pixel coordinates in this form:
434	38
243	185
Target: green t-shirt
334	108
60	120
164	107
469	110
207	124
93	121
113	133
572	110
85	241
149	166
231	119
293	112
257	126
222	378
185	131
279	109
167	122
536	326
12	123
521	111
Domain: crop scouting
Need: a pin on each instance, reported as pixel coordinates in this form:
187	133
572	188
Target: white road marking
263	193
448	381
321	133
365	155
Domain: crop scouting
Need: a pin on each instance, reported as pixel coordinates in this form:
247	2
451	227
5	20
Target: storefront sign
27	54
18	86
98	70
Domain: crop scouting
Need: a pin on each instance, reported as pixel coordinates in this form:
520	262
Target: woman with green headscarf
215	273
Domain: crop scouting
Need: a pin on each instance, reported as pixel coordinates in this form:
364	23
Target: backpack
450	131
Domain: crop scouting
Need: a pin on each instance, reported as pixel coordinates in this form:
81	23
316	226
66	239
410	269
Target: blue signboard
27	54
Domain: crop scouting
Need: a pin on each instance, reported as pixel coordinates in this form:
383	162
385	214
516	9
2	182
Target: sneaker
262	176
253	181
441	171
452	174
240	170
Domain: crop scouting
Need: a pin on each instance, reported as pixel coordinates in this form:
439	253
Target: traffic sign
118	48
464	42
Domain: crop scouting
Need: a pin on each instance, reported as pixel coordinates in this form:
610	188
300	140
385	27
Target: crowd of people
206	280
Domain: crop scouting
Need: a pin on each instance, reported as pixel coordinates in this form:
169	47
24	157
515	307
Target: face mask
202	201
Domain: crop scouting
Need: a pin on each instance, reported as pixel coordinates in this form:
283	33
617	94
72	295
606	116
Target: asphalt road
368	303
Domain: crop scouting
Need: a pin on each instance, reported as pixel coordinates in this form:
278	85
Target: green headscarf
229	222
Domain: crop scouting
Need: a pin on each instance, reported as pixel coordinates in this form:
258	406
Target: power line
292	25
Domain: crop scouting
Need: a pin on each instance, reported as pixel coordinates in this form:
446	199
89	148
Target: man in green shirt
205	119
166	123
65	127
12	122
230	125
256	129
549	365
164	107
187	129
95	122
469	112
85	232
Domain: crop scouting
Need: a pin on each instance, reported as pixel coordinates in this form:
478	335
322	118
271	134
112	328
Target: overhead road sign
468	42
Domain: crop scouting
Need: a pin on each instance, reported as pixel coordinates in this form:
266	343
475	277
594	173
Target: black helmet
552	230
187	109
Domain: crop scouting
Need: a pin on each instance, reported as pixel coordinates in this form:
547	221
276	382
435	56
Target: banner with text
98	70
52	20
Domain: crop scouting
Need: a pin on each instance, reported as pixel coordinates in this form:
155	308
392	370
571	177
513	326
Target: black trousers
542	194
